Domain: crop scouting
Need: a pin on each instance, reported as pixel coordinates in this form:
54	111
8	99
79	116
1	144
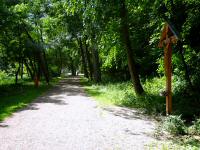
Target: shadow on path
127	113
57	95
3	125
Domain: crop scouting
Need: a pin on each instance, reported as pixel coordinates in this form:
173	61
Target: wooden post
167	38
168	73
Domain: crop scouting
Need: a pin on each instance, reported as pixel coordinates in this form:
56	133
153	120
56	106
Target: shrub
5	78
195	128
174	125
3	75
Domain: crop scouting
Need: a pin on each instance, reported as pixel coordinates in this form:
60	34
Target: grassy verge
122	94
186	143
14	97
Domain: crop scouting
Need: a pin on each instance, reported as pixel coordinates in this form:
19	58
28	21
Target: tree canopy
101	38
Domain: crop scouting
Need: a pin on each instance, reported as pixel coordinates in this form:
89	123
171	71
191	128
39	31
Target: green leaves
174	125
21	8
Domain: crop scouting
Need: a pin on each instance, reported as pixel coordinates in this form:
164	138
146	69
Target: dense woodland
107	40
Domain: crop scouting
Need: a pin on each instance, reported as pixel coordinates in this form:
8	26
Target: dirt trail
66	119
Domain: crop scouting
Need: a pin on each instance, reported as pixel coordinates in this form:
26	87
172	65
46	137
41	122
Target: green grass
177	143
122	94
184	103
186	142
14	97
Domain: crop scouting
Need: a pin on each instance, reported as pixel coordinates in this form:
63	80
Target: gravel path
66	119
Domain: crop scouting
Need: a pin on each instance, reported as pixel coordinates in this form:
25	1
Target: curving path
66	119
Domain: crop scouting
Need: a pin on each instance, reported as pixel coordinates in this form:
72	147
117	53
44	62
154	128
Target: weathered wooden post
168	38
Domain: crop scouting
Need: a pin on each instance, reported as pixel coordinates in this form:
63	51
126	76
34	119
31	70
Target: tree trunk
39	64
32	65
16	74
42	68
72	67
126	40
44	60
83	58
29	69
22	68
96	64
45	66
61	62
41	56
88	60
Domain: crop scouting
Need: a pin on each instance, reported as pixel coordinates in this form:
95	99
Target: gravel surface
66	119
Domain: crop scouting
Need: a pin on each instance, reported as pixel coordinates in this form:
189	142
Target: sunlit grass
122	94
186	143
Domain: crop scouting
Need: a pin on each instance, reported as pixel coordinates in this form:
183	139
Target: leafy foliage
174	125
195	128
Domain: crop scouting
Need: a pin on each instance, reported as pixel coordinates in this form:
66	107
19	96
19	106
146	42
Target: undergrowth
122	94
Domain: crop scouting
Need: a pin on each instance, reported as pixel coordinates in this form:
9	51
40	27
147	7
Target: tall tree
83	57
127	42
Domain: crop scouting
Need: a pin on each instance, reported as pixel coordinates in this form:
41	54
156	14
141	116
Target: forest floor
65	118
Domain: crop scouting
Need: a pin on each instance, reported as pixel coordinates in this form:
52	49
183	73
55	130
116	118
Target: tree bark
39	64
96	64
41	57
72	67
22	68
44	60
29	69
83	58
88	60
61	61
127	43
32	65
45	66
16	74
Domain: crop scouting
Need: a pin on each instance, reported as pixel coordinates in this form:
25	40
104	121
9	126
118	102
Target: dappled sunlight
79	74
66	113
